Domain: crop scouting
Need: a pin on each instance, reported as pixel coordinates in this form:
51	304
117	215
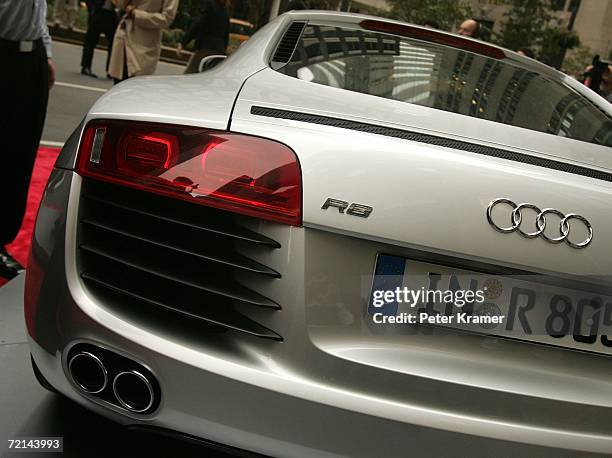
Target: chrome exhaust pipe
134	391
88	372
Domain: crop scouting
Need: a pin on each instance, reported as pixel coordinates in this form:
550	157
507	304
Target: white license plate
534	308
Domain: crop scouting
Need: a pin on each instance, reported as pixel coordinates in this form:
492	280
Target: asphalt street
73	93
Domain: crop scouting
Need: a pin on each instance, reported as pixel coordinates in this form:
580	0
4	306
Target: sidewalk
77	37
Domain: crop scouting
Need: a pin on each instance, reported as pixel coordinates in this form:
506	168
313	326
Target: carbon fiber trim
432	140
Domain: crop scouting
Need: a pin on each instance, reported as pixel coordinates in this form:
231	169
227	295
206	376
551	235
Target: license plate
535	308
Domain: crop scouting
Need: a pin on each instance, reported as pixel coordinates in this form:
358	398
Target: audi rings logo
516	218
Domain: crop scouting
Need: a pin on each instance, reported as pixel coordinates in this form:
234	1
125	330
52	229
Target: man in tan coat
137	43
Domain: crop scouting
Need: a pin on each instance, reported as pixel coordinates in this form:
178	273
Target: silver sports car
231	256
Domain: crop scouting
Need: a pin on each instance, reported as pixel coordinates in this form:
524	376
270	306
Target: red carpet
20	247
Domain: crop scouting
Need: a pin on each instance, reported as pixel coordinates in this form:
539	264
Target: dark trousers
24	87
100	22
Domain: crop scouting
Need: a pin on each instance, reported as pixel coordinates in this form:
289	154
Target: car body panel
278	380
413	202
337	386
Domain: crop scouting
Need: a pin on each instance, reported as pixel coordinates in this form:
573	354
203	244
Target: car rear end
206	266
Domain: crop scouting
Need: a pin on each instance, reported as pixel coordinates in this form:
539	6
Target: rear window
445	78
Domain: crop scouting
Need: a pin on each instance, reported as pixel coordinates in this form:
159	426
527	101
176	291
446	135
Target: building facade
594	26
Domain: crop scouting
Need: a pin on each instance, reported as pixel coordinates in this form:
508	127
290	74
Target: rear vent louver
156	253
286	47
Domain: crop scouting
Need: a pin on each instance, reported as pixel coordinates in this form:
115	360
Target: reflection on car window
447	79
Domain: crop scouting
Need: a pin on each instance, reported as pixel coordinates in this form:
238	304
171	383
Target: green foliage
446	12
578	59
171	37
531	24
80	20
554	43
525	24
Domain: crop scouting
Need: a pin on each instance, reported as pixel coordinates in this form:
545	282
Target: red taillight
433	36
146	151
239	173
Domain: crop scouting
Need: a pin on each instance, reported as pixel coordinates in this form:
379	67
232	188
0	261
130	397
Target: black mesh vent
432	140
150	252
287	45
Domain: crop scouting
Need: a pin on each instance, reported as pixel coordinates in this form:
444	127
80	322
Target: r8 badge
363	211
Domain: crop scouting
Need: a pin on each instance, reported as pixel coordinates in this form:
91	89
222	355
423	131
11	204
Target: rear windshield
447	79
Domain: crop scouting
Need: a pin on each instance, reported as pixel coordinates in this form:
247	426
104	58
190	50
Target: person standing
64	13
101	18
210	31
598	77
137	43
29	73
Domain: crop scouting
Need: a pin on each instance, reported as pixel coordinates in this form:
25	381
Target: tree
577	61
447	13
531	24
525	24
555	43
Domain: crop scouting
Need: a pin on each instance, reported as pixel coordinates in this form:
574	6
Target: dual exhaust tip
88	372
132	388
